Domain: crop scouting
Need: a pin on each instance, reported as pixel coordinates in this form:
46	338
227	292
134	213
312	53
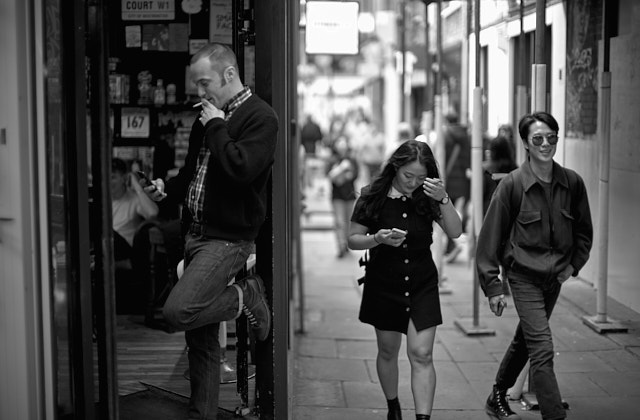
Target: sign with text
134	123
148	9
332	27
220	14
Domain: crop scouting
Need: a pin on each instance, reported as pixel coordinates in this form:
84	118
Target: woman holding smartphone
393	218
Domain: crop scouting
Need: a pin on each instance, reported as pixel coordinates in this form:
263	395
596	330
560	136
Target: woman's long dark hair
410	151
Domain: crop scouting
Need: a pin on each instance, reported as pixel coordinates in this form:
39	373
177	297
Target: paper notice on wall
148	9
133	35
220	14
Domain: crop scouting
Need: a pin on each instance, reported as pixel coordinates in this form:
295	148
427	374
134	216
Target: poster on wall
155	37
196	44
582	68
178	37
220	14
133	36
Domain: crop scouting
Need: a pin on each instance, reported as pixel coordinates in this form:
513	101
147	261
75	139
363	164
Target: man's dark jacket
242	154
532	238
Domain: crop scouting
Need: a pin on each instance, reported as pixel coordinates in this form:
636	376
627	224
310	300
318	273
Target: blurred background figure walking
458	158
310	137
499	162
342	171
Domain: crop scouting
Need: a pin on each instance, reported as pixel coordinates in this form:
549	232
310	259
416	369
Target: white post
440	155
603	200
521	109
475	329
476	160
601	323
476	188
538	87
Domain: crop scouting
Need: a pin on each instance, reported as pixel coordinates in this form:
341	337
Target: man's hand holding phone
497	304
153	188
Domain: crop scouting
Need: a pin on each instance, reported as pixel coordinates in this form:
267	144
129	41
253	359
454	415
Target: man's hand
209	111
565	274
497	304
155	191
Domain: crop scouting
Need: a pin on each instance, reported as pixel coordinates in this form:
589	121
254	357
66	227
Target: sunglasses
538	139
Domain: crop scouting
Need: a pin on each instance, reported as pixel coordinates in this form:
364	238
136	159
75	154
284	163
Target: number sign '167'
134	122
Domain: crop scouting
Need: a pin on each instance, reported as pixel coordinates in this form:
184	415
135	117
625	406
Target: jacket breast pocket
528	229
563	230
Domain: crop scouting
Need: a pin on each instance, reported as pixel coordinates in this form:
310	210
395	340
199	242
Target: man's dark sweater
242	154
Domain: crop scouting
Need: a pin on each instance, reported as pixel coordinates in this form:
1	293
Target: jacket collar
529	178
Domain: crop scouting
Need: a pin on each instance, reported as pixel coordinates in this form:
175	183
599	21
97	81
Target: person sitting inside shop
130	206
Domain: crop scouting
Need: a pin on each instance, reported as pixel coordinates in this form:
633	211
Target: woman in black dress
401	282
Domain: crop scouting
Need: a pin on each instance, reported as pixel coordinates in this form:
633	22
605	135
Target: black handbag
362	262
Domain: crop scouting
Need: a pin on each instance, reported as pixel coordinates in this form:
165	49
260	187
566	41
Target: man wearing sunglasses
538	228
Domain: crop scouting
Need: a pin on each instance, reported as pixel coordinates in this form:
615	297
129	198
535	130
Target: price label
134	122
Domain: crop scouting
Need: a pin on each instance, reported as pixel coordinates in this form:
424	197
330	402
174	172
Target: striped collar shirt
195	194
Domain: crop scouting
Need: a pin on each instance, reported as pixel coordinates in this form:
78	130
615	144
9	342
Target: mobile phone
501	306
143	179
398	233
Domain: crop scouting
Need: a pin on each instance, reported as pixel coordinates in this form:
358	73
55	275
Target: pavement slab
370	395
577	385
316	347
579	361
332	369
329	413
318	393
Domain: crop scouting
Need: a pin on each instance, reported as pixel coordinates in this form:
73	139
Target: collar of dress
393	193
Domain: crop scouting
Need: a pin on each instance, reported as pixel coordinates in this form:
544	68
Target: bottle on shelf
171	93
159	94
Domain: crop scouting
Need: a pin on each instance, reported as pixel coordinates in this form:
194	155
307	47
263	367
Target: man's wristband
375	239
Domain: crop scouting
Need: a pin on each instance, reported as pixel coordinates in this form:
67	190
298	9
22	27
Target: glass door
73	320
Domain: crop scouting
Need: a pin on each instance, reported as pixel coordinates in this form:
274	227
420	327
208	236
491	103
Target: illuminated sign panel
331	27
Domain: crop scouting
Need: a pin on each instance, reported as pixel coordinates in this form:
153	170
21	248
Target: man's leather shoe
255	305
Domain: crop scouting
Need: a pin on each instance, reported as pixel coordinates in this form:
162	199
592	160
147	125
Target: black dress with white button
401	283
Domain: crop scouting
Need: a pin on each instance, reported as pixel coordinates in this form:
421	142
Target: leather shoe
255	305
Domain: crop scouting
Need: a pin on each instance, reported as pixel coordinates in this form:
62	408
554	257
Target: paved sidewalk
335	374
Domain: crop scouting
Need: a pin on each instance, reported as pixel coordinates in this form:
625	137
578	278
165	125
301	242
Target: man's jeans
197	304
534	303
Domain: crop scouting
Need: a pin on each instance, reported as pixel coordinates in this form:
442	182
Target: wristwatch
445	200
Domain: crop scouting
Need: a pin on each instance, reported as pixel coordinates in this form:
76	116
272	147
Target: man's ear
229	74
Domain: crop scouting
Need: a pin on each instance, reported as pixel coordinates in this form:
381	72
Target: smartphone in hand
143	179
398	233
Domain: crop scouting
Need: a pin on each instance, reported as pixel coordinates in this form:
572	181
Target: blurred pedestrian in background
371	152
538	228
310	135
458	155
393	219
500	161
505	131
342	171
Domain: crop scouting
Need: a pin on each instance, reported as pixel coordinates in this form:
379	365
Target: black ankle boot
423	417
498	406
395	413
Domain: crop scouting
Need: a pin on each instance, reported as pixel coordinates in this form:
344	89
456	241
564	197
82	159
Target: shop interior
150	112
